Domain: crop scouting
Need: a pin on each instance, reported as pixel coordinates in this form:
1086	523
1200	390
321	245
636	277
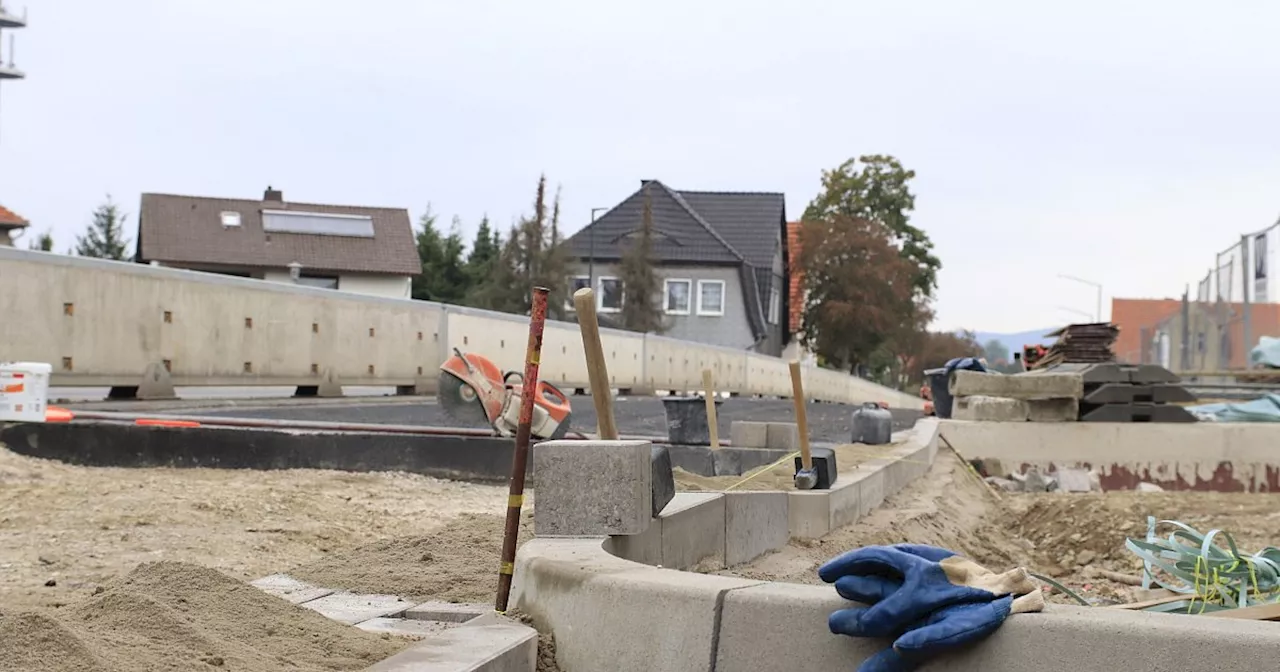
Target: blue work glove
928	598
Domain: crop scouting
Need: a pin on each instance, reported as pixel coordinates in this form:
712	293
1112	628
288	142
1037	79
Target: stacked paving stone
1130	393
1036	396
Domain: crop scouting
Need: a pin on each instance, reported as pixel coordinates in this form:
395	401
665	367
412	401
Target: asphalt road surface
634	415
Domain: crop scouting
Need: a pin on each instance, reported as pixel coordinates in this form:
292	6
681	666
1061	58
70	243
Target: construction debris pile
1081	344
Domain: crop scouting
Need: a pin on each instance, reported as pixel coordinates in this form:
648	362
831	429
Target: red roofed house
10	222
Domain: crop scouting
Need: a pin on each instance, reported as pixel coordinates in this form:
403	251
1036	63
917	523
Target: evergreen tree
533	255
444	277
641	287
484	250
104	238
42	242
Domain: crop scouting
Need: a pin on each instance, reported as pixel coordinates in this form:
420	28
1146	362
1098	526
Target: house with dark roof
9	223
366	250
721	256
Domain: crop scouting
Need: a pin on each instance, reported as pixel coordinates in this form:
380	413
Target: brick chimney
273	195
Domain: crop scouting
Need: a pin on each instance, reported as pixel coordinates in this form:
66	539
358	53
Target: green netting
1212	577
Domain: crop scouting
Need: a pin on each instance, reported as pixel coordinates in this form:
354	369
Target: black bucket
687	420
938	382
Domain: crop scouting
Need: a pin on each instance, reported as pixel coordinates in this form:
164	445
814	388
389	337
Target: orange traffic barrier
156	422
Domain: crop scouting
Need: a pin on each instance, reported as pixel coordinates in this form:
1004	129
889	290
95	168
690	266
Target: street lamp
591	254
1091	283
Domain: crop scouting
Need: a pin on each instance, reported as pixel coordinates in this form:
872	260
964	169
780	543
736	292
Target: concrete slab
1017	386
1053	410
693	530
289	588
447	611
982	408
352	608
593	487
508	647
755	523
749	434
404	627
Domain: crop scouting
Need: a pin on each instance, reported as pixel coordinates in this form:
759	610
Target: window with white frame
711	297
679	296
610	295
575	283
775	301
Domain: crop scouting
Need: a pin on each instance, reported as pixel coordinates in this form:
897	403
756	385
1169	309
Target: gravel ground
634	415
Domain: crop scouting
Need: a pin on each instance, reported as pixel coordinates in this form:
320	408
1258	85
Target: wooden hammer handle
584	302
802	422
708	384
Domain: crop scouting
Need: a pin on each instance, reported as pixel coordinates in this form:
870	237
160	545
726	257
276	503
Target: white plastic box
24	391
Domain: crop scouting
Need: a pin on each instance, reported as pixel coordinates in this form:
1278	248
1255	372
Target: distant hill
1014	342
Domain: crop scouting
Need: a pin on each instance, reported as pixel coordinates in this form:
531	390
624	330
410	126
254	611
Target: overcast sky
1124	143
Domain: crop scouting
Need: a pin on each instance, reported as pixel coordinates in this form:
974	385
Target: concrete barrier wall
102	323
1222	457
613	613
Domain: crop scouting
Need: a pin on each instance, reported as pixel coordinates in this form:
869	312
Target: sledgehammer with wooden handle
806	477
584	302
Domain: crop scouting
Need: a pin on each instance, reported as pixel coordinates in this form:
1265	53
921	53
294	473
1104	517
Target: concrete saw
473	390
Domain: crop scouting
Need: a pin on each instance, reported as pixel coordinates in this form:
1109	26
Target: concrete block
1053	410
808	513
351	608
644	548
589	488
738	461
844	505
404	627
990	409
783	436
871	488
754	524
508	647
607	615
749	434
289	588
1017	386
693	530
664	483
450	612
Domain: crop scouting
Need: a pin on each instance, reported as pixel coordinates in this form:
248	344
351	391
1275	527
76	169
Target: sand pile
457	563
781	476
176	616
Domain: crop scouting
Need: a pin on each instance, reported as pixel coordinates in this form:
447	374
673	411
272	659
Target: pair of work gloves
927	599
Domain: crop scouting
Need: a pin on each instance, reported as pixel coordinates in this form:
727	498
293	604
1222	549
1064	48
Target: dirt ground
781	476
140	569
1065	536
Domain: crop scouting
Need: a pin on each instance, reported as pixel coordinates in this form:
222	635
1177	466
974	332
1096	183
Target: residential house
721	256
359	249
9	224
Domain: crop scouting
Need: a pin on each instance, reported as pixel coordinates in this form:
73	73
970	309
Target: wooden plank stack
1081	344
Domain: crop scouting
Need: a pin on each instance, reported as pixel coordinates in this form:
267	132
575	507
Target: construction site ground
78	547
1066	536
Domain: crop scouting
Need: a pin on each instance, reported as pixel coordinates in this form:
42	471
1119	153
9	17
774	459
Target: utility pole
1095	285
1246	273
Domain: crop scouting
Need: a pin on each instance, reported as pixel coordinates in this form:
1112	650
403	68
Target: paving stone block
289	588
404	627
1024	386
783	436
352	608
693	530
447	611
644	548
504	647
754	524
808	513
749	434
593	488
845	506
871	487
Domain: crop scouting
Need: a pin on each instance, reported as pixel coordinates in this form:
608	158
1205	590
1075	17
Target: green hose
1191	564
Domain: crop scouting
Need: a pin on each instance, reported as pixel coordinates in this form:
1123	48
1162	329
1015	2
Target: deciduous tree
859	290
641	286
876	188
104	238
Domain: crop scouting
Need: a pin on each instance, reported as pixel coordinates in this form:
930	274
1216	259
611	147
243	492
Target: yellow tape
508	568
535	358
515	501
